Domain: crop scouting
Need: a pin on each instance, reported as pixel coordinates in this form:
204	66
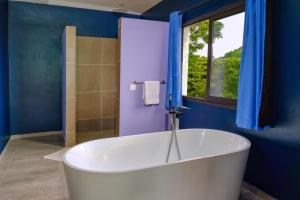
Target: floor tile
35	188
30	168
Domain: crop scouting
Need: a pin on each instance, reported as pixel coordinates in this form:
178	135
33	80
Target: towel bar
140	83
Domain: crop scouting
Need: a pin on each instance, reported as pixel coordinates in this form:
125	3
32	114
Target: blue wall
35	49
274	163
4	97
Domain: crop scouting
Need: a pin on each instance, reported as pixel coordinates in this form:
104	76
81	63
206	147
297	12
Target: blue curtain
174	90
252	66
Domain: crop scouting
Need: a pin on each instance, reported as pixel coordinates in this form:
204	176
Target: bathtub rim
67	163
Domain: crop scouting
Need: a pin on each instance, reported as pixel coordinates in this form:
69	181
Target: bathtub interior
149	150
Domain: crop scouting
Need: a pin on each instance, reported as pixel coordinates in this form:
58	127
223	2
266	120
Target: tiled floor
25	175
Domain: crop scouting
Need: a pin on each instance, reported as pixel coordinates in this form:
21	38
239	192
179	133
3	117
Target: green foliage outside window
225	70
228	67
197	76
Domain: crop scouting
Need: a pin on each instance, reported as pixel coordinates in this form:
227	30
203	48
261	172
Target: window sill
230	105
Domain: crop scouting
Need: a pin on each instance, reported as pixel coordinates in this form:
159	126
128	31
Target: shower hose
173	136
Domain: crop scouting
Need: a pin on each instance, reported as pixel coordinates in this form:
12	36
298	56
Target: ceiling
124	6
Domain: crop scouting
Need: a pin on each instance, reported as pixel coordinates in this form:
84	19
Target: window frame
214	16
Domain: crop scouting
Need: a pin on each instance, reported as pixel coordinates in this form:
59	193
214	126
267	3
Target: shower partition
95	88
69	85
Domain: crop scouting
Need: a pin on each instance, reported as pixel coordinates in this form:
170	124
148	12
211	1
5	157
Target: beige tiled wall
96	84
70	82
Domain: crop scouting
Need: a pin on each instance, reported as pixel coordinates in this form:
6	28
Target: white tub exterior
134	167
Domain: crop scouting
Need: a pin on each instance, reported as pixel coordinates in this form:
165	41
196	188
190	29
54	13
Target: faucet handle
184	108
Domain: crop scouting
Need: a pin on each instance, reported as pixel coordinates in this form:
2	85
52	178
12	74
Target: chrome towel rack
141	83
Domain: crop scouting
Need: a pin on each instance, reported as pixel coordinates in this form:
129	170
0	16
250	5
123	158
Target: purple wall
144	54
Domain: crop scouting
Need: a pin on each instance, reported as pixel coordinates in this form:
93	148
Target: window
212	51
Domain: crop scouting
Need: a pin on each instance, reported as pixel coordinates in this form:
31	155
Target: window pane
195	50
226	56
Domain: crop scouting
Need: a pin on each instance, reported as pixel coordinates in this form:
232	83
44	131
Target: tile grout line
87	119
95	91
95	65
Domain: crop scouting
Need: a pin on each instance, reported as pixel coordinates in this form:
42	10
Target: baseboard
250	192
30	135
4	148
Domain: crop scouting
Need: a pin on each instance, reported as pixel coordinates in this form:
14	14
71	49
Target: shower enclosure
90	87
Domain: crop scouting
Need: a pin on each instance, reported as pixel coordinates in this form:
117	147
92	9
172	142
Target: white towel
151	92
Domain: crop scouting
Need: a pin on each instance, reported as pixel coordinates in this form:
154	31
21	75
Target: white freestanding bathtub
135	168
